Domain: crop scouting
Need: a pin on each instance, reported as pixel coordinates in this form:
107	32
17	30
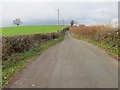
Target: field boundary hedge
14	45
103	36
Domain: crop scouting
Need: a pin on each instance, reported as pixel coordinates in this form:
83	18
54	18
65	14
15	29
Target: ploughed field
20	30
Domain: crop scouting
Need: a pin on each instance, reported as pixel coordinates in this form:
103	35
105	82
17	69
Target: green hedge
14	45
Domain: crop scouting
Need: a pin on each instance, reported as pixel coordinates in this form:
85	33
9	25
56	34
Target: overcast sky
34	12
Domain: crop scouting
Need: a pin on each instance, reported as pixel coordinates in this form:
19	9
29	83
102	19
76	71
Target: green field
20	30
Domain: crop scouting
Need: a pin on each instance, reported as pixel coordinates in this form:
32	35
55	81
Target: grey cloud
46	13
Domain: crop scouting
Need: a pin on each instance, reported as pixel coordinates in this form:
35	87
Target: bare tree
72	23
17	21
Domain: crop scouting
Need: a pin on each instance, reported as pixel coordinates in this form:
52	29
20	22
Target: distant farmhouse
77	25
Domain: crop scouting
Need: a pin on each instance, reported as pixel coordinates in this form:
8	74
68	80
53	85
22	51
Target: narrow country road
69	64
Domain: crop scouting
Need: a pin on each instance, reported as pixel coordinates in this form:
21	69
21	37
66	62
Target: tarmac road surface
71	63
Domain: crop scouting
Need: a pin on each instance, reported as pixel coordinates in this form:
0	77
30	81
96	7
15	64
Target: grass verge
111	50
15	63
